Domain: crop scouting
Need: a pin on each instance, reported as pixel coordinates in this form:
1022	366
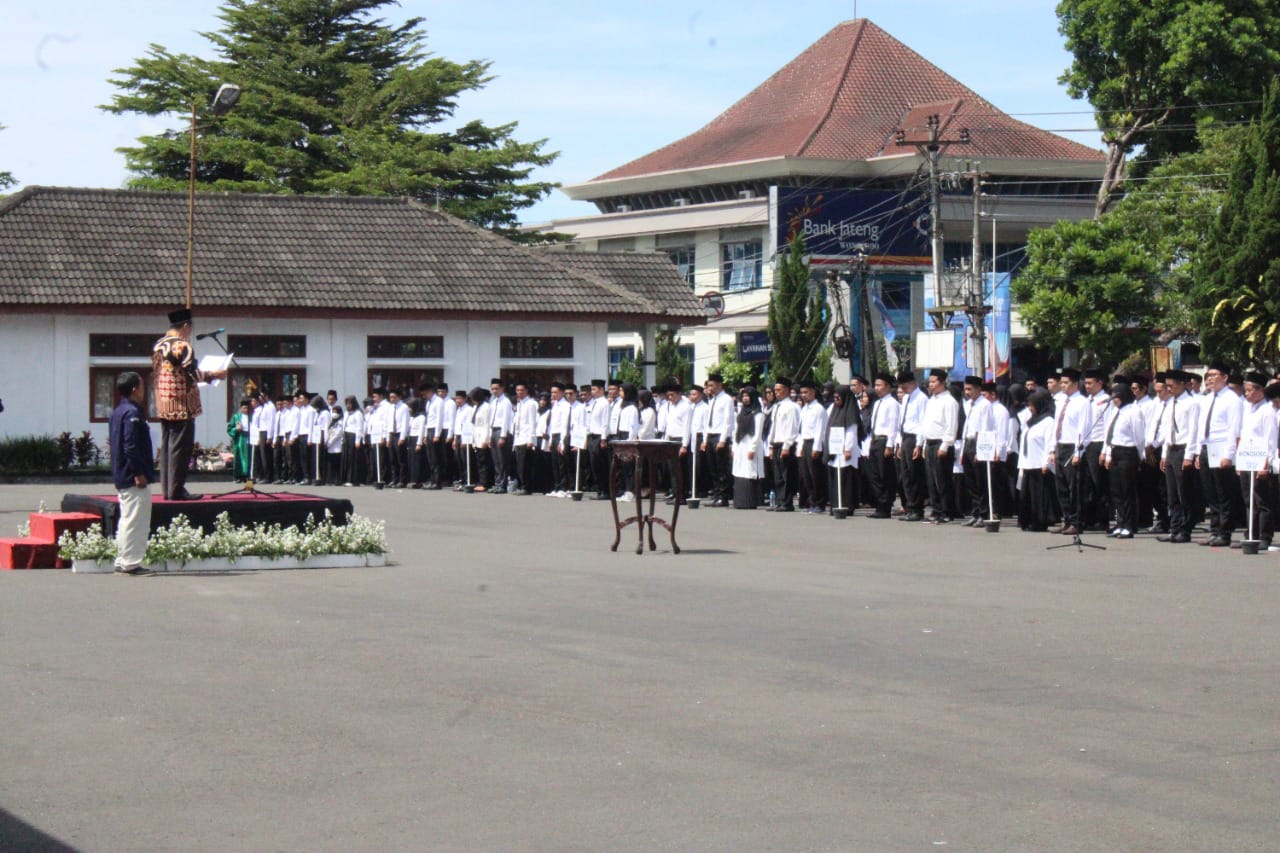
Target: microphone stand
248	483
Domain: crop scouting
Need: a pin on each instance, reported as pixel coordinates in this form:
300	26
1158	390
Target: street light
223	101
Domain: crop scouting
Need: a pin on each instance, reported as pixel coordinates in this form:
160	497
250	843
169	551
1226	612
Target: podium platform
245	509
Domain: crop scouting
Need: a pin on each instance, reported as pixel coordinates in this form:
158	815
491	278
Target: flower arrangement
181	543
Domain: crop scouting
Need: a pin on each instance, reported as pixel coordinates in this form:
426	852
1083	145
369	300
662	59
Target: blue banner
886	226
754	347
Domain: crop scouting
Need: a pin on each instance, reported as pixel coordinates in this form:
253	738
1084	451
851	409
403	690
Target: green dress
239	446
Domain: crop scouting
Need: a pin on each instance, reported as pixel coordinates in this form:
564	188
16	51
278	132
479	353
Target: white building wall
45	361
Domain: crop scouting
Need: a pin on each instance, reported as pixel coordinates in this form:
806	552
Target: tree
1090	286
630	371
1239	292
1154	70
6	178
797	319
735	373
334	101
669	361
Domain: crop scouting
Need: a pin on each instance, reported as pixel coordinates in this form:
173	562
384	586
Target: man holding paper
177	390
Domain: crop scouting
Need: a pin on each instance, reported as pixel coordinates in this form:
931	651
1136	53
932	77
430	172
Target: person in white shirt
784	437
698	412
974	406
443	467
353	473
885	424
1123	438
992	417
558	430
398	440
910	452
460	434
1071	432
940	429
1219	435
1179	428
1258	431
417	443
810	455
719	437
1035	501
500	447
597	416
748	451
1145	396
679	413
482	438
1151	486
1095	491
843	423
524	437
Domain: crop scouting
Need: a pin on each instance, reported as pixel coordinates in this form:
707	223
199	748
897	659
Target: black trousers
810	474
283	470
938	467
1264	506
1123	481
599	457
1068	478
911	473
177	439
501	457
1224	510
883	472
559	468
785	476
263	459
524	466
433	457
720	468
974	498
1095	500
1152	498
842	488
352	460
1183	488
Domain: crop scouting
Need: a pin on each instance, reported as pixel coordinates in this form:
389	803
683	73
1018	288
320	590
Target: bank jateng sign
887	226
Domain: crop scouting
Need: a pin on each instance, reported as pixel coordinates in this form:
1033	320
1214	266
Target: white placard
985	447
835	441
578	438
1251	456
212	364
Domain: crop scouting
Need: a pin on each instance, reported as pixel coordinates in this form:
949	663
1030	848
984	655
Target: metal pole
935	223
191	202
975	285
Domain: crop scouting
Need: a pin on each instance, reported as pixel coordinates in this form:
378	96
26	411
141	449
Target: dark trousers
352	460
1183	488
599	458
1035	506
433	458
524	466
417	464
1264	506
720	468
283	470
177	439
938	467
1068	480
883	472
1224	509
1095	500
974	498
785	476
559	468
263	461
500	451
911	473
333	468
1123	481
1151	491
842	488
810	474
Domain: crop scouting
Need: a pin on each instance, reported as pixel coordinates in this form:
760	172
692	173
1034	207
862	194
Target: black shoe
136	571
880	515
1218	542
913	516
184	495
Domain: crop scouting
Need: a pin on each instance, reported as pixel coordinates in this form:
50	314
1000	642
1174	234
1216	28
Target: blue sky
603	82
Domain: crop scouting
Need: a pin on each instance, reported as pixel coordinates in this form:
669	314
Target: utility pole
976	306
925	128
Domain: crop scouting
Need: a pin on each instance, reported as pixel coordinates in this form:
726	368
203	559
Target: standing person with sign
748	450
844	450
1258	436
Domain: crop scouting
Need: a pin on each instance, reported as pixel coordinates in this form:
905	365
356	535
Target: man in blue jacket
133	470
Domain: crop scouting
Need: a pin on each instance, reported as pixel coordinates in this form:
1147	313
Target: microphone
212	334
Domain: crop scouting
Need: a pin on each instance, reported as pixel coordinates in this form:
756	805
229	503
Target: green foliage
735	373
823	367
1133	61
797	323
1090	286
334	101
669	361
1239	291
630	370
31	454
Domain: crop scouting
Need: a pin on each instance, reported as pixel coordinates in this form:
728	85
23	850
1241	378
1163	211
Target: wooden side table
645	455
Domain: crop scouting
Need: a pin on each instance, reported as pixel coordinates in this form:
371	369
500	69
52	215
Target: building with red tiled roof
827	124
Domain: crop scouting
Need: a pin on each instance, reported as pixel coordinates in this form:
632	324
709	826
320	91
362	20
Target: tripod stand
1076	543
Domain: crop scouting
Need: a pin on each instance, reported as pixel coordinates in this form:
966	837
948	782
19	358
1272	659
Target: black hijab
1042	400
844	413
747	417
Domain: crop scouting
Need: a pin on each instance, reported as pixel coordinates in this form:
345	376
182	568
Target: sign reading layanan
888	227
754	347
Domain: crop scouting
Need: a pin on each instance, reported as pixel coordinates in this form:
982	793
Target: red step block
28	553
49	526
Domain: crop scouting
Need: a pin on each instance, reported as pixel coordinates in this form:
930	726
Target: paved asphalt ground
787	683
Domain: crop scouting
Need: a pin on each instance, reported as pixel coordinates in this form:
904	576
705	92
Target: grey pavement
787	683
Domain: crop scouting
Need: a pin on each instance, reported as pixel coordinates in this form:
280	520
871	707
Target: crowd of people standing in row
1076	452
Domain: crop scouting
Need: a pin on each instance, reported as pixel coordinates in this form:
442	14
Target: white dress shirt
813	425
785	426
941	418
1220	425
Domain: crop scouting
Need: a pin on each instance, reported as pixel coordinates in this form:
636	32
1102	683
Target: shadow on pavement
19	835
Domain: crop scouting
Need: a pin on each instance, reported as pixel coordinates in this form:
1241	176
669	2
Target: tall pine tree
1239	293
334	100
797	323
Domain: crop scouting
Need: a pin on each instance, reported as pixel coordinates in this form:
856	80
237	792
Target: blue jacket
130	439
